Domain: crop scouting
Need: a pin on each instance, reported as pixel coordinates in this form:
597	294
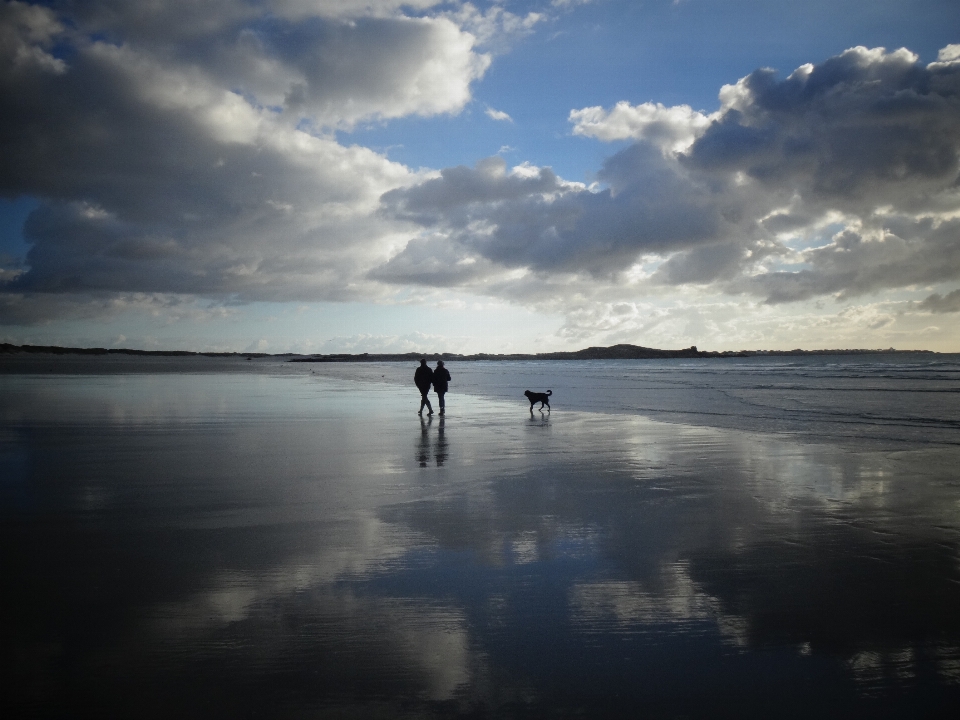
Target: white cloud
184	148
336	72
496	27
737	200
497	115
949	54
672	128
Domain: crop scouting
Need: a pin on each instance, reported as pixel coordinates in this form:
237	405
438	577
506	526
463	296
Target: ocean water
891	398
765	537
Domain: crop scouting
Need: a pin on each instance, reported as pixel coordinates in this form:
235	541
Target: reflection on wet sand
218	547
427	448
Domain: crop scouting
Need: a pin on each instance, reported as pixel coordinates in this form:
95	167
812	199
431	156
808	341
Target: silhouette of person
441	376
423	377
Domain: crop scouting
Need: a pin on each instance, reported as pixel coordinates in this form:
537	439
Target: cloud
26	35
497	115
411	342
433	262
496	28
897	253
672	128
41	307
329	66
181	147
947	55
840	179
864	129
530	218
936	303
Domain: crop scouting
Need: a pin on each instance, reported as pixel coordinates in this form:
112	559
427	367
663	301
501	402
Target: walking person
423	377
441	376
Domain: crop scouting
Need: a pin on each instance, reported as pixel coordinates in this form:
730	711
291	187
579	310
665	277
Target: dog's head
527	393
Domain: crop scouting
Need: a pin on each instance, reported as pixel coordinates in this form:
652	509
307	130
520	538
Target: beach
228	538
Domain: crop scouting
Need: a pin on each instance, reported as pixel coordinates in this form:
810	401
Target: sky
323	176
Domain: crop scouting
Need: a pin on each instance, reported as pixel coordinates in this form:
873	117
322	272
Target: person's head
423	361
439	363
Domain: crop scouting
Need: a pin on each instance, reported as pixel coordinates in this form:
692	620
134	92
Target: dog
535	397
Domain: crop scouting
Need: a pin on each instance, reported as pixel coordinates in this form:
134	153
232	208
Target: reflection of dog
541	398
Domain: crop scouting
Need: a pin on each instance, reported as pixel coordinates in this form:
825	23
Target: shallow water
269	541
909	398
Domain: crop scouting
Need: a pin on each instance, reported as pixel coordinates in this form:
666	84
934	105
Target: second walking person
441	376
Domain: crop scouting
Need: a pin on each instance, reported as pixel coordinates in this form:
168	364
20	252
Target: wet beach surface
252	540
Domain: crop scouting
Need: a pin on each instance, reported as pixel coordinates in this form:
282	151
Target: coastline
904	400
613	352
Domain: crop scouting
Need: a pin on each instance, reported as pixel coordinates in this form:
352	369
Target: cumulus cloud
182	147
672	128
530	218
840	179
189	149
335	65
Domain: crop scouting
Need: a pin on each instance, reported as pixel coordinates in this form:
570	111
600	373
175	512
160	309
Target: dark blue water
237	541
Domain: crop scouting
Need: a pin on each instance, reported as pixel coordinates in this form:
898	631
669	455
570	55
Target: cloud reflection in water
216	545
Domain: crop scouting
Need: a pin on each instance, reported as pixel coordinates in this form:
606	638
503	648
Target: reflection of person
423	377
441	376
441	449
423	447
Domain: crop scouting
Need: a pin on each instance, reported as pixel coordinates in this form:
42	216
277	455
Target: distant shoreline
613	352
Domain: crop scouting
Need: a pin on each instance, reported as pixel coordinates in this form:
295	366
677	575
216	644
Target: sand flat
212	544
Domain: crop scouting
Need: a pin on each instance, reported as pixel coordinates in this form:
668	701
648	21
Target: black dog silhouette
535	397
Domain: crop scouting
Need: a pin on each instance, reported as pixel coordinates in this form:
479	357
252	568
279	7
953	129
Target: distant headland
613	352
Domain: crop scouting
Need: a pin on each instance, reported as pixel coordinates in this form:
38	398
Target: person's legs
424	400
442	405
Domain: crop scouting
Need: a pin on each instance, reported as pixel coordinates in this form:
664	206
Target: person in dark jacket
423	377
441	376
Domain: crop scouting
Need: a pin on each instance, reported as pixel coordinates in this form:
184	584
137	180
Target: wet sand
281	544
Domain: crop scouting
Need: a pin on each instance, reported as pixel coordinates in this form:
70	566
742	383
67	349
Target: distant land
613	352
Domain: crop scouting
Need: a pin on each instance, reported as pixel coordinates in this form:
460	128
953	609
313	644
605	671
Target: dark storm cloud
869	140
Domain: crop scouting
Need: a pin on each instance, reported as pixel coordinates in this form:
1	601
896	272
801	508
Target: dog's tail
549	392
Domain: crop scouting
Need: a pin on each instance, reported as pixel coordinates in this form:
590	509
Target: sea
773	536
